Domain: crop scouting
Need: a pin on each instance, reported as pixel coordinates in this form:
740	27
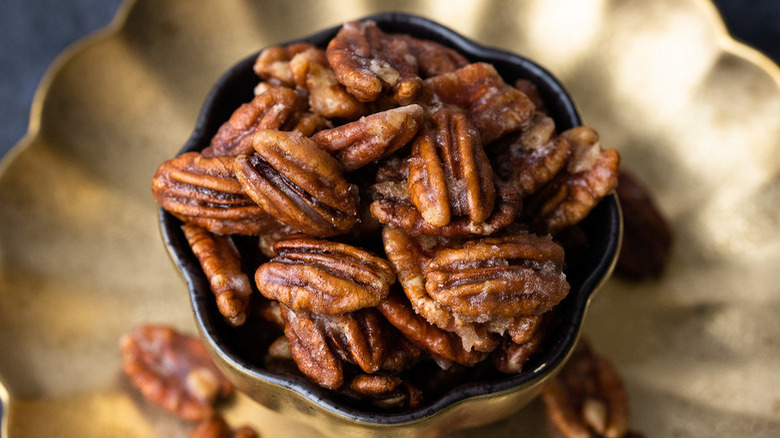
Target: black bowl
483	396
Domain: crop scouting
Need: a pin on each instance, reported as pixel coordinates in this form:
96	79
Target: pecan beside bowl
457	398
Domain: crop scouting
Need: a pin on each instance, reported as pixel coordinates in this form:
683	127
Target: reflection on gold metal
693	113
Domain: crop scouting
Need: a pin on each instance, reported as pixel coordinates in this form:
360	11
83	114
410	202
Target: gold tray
693	113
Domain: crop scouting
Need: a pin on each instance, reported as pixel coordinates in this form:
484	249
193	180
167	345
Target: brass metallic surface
693	113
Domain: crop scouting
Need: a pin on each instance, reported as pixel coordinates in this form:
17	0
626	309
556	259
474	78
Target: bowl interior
244	347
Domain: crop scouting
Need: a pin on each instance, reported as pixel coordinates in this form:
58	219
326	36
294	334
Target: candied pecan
392	206
408	256
447	345
495	107
280	349
433	58
449	173
587	398
309	69
297	182
274	62
647	238
367	61
221	262
498	277
386	390
590	174
532	91
216	427
173	370
372	137
510	356
533	157
307	123
319	343
269	110
324	277
206	192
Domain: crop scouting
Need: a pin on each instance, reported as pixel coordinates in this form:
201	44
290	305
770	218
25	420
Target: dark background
34	32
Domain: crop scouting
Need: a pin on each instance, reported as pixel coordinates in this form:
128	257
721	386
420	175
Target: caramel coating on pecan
367	61
298	183
447	345
408	256
221	262
449	173
269	110
217	427
319	343
371	137
533	157
495	107
591	174
206	192
587	398
498	277
324	277
647	237
173	370
514	352
393	206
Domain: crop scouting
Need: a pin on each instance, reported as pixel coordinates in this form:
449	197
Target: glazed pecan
319	343
498	277
587	398
368	61
432	58
590	174
386	390
495	107
297	182
205	191
647	238
449	173
324	277
173	370
372	137
269	110
534	156
532	91
392	206
274	62
221	262
510	356
447	345
216	427
409	256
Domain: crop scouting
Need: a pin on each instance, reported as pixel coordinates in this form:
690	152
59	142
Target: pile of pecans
407	205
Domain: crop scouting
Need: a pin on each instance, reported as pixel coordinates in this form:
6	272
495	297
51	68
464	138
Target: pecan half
534	157
511	355
368	61
205	191
587	398
447	345
498	277
268	110
324	277
495	107
647	238
372	137
409	256
386	390
297	182
432	58
449	173
319	343
393	206
591	173
221	262
216	427
274	62
173	370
